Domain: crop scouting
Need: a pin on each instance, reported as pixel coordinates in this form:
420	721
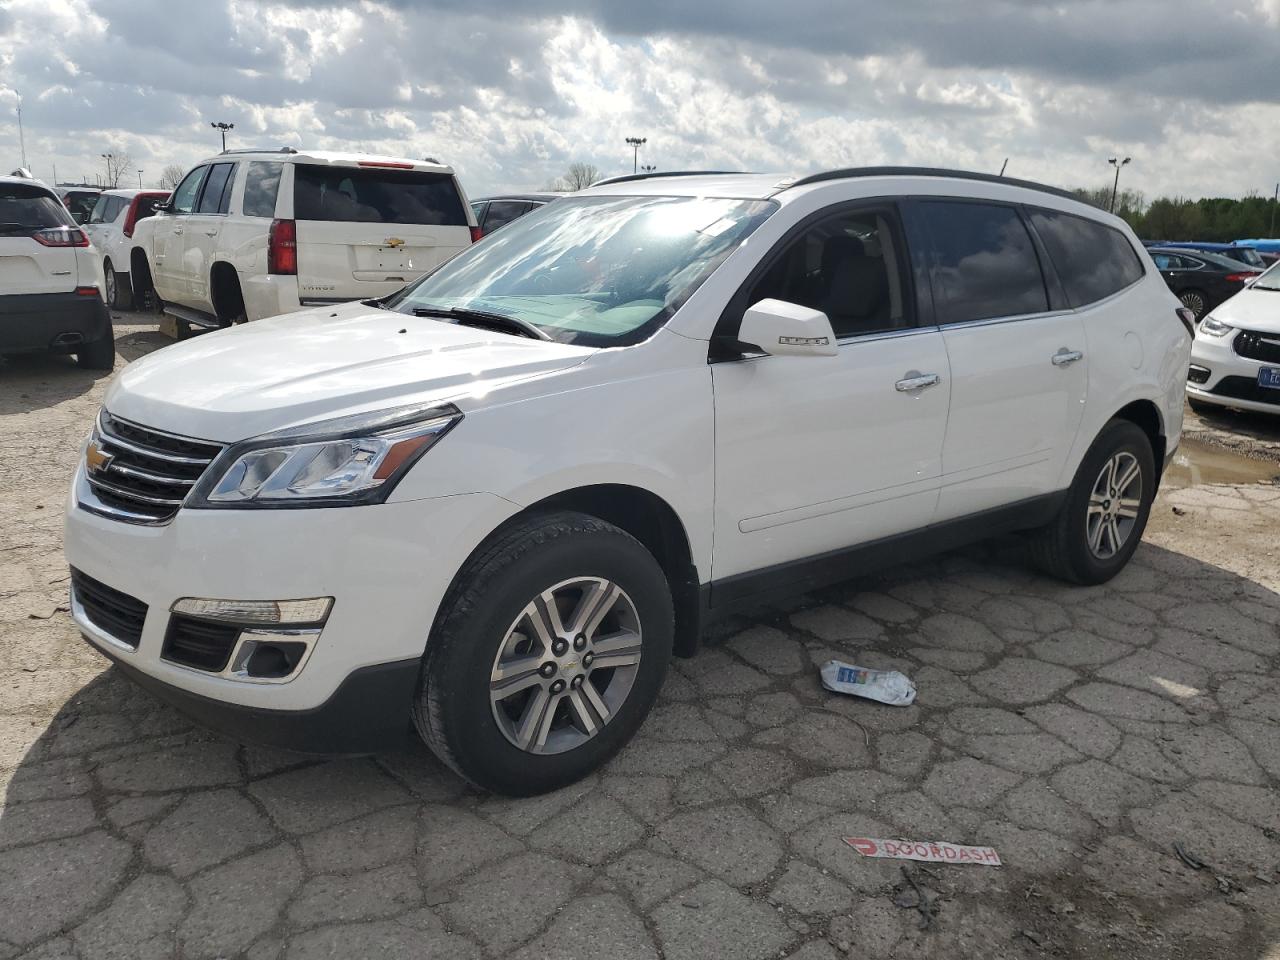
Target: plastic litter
885	686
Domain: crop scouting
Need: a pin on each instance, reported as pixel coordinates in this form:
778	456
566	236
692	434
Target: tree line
1214	219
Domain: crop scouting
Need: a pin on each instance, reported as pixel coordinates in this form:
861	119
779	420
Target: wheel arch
651	520
1146	415
225	291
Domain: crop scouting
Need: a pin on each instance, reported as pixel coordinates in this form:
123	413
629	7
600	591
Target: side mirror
783	329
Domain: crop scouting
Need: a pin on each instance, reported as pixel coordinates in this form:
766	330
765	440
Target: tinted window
261	184
1093	261
25	209
81	204
211	198
373	195
147	206
984	262
847	267
184	198
502	212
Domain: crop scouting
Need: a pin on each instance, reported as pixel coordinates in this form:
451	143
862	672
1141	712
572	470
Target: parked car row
1235	360
495	500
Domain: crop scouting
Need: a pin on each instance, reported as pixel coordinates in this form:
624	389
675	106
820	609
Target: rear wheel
1194	301
1106	509
228	299
546	656
119	296
99	355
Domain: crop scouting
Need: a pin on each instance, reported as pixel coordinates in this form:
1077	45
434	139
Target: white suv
498	501
252	234
110	226
50	279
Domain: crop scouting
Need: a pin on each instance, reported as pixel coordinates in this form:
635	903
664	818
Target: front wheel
547	654
1106	509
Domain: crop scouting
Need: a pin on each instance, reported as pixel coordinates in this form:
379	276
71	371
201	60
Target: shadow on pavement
1080	731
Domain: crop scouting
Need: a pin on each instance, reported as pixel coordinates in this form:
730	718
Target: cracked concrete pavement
1082	732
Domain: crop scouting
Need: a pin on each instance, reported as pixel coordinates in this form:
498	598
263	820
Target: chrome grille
146	474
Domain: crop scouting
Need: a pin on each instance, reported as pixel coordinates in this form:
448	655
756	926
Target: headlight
343	462
1214	328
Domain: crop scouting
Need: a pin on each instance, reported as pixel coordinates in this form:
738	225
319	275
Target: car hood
1251	309
257	377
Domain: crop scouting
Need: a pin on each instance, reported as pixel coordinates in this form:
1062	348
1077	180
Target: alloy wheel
566	665
109	281
1193	302
1114	505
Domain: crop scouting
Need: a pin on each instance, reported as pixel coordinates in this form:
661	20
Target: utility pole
22	139
139	179
1275	202
1115	187
636	143
223	127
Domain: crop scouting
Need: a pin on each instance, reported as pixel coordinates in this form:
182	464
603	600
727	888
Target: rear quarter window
374	195
261	185
1093	260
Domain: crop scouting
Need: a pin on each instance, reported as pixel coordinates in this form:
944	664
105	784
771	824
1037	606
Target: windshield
1270	280
593	271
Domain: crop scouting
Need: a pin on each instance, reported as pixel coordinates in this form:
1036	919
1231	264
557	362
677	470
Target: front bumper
31	322
1232	379
387	566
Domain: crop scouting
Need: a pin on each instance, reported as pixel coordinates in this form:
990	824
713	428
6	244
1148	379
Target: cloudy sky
512	91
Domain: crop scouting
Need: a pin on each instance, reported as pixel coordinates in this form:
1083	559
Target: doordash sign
926	851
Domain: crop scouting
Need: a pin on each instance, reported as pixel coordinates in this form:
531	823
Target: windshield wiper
483	318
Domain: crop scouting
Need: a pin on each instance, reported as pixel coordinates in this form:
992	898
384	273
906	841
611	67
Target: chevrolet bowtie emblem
97	459
394	242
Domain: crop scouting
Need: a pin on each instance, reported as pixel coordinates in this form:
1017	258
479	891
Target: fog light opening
271	657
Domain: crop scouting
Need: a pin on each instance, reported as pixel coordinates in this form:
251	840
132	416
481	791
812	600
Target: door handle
916	381
211	233
1064	357
177	231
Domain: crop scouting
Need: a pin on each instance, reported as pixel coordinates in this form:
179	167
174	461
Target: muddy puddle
1196	464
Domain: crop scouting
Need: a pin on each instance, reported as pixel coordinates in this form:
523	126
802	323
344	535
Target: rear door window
184	198
261	185
99	214
1093	260
376	195
218	183
984	263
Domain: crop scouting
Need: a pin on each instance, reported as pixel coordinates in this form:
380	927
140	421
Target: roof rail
261	150
669	173
852	172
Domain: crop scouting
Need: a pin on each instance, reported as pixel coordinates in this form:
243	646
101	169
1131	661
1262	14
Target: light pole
1275	202
636	143
223	128
1115	187
22	138
109	157
139	179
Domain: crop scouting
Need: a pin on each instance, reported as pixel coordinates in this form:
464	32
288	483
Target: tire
1195	301
119	296
1063	547
483	625
228	301
99	355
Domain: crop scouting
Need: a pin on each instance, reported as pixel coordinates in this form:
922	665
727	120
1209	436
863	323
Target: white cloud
510	93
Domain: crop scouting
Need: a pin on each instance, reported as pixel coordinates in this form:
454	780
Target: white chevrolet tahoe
252	234
498	500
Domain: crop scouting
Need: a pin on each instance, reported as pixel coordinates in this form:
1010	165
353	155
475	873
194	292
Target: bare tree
579	176
171	176
119	167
